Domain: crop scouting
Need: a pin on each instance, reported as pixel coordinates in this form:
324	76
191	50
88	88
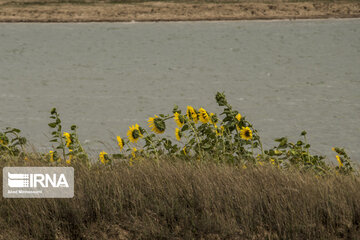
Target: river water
284	76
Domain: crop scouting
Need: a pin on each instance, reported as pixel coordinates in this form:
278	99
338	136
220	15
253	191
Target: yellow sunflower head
184	150
133	153
179	119
51	153
120	142
178	134
339	161
191	114
67	138
246	133
104	158
68	161
134	133
157	124
204	116
238	117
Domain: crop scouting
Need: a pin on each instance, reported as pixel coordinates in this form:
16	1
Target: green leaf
176	109
184	128
279	139
16	130
52	125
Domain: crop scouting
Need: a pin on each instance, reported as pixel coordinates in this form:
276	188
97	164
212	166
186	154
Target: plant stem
197	139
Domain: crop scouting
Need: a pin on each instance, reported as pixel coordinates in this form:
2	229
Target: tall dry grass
179	200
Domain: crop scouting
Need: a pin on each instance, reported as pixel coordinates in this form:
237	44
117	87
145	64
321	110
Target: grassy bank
181	200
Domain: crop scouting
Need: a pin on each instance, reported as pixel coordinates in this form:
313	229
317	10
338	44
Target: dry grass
180	200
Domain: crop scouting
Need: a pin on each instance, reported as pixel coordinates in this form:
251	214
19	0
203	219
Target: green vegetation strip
227	138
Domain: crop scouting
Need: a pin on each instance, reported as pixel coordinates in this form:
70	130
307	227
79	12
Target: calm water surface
285	76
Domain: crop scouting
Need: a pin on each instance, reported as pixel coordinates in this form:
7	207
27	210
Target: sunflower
178	134
134	133
204	116
133	156
246	133
103	156
120	142
68	138
179	119
191	114
68	161
156	124
51	156
184	150
133	152
339	160
238	117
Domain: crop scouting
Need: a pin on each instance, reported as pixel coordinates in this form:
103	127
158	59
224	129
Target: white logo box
38	182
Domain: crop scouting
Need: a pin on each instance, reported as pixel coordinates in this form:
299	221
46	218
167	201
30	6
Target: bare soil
172	11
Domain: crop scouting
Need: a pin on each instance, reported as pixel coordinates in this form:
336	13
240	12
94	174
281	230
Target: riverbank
41	11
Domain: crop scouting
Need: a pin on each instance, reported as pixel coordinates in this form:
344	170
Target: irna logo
38	182
34	180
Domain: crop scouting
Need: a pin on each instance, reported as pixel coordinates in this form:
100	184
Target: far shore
30	11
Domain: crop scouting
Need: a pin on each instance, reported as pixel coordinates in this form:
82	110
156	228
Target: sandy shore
167	11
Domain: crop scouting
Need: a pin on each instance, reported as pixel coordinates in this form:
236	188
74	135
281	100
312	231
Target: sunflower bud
53	111
176	109
213	118
221	99
160	124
